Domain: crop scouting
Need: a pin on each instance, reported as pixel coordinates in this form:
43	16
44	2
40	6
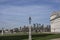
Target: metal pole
2	31
54	30
30	28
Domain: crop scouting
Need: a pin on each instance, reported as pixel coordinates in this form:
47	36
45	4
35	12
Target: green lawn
36	36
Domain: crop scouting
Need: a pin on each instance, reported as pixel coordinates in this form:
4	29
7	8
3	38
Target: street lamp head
29	20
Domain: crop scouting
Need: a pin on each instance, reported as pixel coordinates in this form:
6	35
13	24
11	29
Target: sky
15	13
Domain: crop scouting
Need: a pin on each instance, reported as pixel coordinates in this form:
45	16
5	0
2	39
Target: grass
36	36
46	36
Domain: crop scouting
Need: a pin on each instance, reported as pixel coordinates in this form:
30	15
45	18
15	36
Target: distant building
55	22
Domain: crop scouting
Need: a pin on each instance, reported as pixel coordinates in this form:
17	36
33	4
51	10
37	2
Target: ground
56	39
35	36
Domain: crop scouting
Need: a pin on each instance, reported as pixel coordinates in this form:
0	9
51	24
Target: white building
55	22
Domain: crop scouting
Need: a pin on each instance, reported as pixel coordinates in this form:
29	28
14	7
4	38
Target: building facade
55	22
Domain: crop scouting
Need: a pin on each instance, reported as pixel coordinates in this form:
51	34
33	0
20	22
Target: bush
34	37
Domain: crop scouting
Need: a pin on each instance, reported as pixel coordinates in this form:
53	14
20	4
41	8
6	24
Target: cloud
19	15
53	1
28	1
16	12
56	1
0	14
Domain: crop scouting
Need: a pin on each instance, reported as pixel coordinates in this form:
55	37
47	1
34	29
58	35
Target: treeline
34	28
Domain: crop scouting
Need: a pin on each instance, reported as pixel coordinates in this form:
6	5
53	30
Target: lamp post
30	28
2	31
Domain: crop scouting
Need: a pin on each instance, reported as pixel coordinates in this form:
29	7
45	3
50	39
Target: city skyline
15	13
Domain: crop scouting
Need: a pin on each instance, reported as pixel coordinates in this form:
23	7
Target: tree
42	27
34	26
16	30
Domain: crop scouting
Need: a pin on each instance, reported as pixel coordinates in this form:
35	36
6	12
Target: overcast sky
15	13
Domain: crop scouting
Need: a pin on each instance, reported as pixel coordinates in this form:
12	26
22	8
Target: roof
56	13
